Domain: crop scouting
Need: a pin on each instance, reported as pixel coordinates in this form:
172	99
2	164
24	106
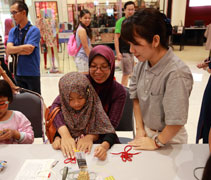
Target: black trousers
204	123
29	82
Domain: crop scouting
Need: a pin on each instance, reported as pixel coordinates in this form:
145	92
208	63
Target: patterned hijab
104	90
91	119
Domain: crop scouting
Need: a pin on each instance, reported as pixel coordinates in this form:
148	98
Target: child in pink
15	128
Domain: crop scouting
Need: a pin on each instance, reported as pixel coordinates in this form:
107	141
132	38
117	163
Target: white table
174	162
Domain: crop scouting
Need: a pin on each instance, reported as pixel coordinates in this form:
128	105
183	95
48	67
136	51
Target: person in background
121	47
206	173
15	128
8	24
24	41
204	123
210	139
111	93
84	116
161	83
83	38
2	60
3	73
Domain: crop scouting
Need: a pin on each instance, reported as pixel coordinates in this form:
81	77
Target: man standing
24	41
121	47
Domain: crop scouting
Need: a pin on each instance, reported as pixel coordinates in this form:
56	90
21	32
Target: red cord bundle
125	155
70	160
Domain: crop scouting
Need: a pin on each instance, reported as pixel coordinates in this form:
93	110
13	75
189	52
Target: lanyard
23	36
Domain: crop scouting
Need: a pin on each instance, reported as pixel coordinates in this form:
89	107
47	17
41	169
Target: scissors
70	160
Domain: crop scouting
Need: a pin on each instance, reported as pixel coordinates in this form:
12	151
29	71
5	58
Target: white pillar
178	12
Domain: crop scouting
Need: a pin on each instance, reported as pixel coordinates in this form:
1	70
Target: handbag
49	117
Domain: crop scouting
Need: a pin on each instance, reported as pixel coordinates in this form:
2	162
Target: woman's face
86	19
76	101
143	51
99	69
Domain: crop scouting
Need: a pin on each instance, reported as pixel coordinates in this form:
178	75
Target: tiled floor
191	55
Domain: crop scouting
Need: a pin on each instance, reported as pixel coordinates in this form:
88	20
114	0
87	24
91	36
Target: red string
125	155
70	160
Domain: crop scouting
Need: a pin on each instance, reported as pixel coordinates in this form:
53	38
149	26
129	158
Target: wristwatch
157	141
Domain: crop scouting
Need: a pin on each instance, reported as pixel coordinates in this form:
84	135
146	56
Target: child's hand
57	143
68	146
7	134
100	152
85	143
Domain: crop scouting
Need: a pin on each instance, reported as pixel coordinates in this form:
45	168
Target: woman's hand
143	143
100	152
203	65
57	143
139	134
68	146
85	143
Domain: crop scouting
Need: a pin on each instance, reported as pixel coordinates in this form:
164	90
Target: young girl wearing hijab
83	115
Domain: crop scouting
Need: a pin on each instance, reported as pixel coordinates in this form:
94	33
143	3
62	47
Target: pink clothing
207	34
46	31
8	25
19	122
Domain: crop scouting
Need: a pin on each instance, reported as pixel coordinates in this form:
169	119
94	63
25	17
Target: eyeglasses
14	12
102	68
2	103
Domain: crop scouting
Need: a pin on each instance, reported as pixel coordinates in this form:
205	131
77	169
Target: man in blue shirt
28	67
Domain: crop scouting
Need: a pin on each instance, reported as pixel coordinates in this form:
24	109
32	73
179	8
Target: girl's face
86	19
99	69
144	50
76	101
3	106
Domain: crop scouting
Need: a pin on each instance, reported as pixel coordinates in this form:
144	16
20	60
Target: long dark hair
146	23
87	28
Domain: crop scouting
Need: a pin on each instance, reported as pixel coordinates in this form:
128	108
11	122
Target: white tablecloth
173	162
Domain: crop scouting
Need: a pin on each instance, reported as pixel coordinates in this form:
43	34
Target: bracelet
157	141
157	144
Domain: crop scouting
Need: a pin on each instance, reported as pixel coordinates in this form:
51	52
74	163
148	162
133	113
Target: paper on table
36	169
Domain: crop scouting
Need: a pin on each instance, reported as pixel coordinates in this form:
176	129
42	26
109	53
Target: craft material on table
70	160
2	165
125	155
35	169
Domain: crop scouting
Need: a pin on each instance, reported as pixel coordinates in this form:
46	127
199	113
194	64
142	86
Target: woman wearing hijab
111	93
